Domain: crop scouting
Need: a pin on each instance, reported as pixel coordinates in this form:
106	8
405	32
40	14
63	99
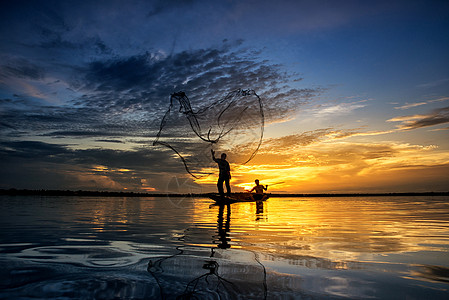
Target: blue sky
84	84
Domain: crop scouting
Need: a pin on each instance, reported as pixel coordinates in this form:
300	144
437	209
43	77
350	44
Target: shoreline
26	192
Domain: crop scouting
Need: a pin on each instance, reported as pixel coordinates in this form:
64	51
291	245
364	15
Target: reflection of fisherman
259	190
259	211
225	173
223	229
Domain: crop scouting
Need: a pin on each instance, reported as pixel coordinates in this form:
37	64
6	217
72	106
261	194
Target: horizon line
45	192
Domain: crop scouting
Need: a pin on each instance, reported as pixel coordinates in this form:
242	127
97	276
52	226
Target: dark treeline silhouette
25	192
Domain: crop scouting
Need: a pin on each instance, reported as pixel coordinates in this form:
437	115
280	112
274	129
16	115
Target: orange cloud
331	166
436	117
410	105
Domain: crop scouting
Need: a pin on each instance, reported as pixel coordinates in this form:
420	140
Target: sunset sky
355	93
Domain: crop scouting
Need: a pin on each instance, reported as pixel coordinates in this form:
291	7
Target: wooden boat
237	197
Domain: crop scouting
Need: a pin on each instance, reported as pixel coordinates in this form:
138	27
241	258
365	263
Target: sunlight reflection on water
353	247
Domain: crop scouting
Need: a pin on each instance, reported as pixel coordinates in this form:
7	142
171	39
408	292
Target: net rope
233	124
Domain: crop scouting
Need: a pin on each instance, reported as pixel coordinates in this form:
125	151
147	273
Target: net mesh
233	125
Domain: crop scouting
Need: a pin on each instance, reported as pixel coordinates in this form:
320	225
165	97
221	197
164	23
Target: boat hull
238	197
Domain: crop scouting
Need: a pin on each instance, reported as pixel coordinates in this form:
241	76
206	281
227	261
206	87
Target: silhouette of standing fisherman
225	173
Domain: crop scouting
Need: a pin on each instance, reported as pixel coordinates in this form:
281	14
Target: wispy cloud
338	109
436	117
440	129
20	67
434	83
411	105
300	16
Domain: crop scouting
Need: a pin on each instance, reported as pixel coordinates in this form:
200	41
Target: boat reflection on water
189	273
260	212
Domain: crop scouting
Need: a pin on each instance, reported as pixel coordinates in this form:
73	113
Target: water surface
284	248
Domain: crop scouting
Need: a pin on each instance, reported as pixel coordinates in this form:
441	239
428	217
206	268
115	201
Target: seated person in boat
259	190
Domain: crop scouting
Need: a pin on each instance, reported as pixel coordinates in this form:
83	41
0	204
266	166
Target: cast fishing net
233	125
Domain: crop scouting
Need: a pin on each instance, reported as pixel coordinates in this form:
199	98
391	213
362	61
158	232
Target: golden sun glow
332	166
319	219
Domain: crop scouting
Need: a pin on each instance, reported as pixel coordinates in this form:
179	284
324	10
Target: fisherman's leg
228	187
220	186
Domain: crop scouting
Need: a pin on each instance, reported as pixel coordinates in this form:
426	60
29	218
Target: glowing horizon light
246	186
100	168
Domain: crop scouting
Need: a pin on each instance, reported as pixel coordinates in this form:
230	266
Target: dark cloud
436	117
30	149
131	93
138	159
20	68
32	164
439	116
84	133
203	73
110	141
122	74
162	6
5	125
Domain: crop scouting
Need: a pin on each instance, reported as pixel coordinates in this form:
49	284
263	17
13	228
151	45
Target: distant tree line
26	192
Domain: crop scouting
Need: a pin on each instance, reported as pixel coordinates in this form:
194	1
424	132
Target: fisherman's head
223	156
256	181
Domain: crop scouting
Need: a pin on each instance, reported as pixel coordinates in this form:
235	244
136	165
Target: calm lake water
284	248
